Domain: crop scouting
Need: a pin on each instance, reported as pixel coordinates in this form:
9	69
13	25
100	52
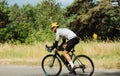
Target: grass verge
103	54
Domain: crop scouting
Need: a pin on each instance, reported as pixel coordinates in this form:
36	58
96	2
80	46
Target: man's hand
64	46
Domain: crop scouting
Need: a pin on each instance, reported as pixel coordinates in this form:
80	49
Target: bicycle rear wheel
51	65
83	65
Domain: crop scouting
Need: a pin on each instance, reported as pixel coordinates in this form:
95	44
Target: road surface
15	70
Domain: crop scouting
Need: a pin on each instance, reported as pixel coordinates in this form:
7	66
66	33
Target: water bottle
64	60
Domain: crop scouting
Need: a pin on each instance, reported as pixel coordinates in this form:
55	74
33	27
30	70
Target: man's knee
66	52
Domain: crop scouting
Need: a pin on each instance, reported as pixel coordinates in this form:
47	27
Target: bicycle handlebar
48	48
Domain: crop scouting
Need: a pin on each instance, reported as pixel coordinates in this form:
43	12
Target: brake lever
46	46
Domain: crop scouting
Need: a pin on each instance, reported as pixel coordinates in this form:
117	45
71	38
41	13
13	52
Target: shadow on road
67	74
108	74
95	74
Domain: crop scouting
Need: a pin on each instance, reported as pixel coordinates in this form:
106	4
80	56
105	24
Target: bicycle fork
52	62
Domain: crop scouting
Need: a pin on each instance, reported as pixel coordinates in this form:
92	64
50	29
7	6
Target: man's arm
55	44
64	41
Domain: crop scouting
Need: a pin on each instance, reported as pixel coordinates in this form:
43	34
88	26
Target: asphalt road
13	70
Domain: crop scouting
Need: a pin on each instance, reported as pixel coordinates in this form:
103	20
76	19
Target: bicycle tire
48	67
83	65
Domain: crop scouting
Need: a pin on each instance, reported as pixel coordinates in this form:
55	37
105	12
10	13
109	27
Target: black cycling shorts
71	43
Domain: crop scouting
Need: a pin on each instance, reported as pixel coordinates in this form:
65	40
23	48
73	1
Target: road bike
52	66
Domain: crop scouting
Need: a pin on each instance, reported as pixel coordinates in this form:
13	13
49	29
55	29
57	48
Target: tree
103	19
3	14
75	11
29	24
48	11
14	13
22	22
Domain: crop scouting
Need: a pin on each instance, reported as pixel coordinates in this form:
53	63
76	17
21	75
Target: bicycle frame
56	54
73	56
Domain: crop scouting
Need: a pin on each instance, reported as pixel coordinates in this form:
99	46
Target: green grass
103	54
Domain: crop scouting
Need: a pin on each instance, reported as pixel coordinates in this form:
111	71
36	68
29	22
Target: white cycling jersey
65	34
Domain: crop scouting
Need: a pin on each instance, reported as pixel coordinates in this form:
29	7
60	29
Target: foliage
3	13
31	24
103	19
28	24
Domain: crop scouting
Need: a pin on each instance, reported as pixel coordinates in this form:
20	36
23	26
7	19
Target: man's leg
70	44
67	56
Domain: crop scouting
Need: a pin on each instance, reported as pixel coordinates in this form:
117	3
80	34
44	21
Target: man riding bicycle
65	34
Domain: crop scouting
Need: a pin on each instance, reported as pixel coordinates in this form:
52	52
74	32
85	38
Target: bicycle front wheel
51	65
83	65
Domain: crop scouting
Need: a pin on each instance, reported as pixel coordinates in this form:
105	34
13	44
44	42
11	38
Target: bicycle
52	66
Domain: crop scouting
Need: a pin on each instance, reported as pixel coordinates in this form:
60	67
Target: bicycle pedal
72	71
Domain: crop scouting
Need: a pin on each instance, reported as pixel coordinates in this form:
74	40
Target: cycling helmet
54	25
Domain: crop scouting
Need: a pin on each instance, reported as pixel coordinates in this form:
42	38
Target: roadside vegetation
104	54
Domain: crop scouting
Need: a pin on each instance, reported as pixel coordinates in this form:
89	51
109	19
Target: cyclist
65	34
